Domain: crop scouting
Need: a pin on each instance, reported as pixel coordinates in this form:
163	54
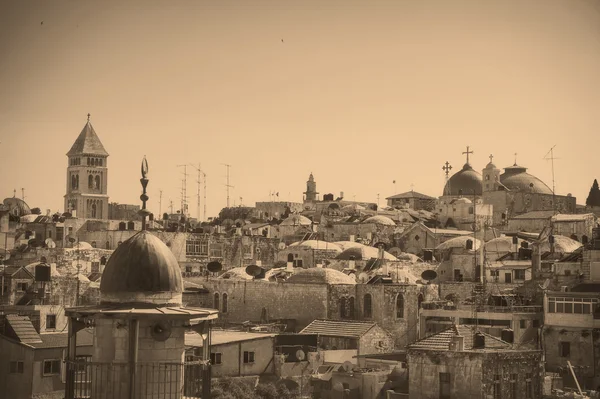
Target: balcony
443	305
93	380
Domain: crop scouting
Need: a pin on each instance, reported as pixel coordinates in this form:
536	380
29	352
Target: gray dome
516	178
464	182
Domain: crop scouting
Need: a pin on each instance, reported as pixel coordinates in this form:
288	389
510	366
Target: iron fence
94	380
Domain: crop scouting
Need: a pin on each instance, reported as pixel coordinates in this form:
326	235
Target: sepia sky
360	93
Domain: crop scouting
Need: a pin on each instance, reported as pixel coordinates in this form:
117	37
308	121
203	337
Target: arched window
93	244
77	181
224	303
90	181
122	226
343	308
400	306
101	162
351	307
88	161
73	182
367	306
130	226
107	244
93	210
103	259
97	182
216	302
290	257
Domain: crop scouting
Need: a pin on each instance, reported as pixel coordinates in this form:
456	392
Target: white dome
318	245
458	242
380	219
296	220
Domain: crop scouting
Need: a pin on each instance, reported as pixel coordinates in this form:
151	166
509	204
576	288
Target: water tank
427	256
42	272
507	335
479	341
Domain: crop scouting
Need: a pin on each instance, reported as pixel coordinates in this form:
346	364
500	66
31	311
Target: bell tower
311	189
87	176
491	176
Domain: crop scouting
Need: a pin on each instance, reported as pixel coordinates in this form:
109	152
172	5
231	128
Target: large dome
380	219
17	206
464	182
320	275
296	220
142	269
516	178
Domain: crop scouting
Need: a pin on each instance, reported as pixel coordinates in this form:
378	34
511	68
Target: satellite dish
381	245
214	266
429	275
161	331
347	366
72	239
254	271
300	355
281	245
363	278
50	243
395	251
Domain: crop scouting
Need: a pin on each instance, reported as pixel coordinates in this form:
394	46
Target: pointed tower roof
88	142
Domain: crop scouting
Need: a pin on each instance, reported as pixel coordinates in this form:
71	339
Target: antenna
171	206
184	190
160	204
228	185
201	174
23	194
551	159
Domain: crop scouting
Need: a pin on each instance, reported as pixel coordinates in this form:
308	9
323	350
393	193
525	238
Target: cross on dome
446	168
491	158
468	152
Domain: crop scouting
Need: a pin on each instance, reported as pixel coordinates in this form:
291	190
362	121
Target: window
367	307
520	274
97	182
224	303
513	386
196	247
51	367
216	301
216	250
130	226
535	323
60	232
522	323
564	349
400	306
444	385
248	357
90	181
107	245
351	307
122	226
470	210
215	358
22	287
528	386
343	307
50	321
497	387
16	367
94	245
571	305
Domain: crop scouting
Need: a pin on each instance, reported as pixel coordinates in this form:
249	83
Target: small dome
380	219
490	165
516	178
464	182
320	275
142	269
363	252
458	242
317	245
296	220
463	200
562	245
17	206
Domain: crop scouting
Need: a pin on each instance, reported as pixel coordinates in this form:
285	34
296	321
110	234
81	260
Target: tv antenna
23	194
160	203
228	186
184	190
201	174
551	159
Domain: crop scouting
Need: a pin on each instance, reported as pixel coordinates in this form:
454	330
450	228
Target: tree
593	198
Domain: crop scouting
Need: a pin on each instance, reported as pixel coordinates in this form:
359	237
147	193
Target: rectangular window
51	367
16	367
248	357
564	349
204	247
513	386
497	387
445	385
528	386
551	307
60	231
522	323
215	358
50	322
216	251
520	274
22	287
535	323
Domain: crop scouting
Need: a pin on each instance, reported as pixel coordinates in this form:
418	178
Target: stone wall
583	344
232	358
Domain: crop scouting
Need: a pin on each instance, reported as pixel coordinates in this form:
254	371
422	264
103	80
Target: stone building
118	211
578	226
87	176
412	200
461	362
461	213
419	237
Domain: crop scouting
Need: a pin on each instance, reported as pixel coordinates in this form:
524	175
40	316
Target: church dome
318	275
296	220
464	182
142	270
379	219
516	178
17	206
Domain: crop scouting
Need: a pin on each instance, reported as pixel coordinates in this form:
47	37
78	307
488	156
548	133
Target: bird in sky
42	23
281	40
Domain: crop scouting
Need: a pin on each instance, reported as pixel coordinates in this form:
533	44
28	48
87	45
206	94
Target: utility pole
204	181
160	204
228	185
171	206
551	159
184	190
199	181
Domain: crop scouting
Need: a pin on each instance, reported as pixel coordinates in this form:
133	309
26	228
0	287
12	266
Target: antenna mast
184	190
228	185
551	159
160	204
23	194
199	181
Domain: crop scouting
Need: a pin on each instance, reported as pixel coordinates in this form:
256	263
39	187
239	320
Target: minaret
87	176
491	176
311	189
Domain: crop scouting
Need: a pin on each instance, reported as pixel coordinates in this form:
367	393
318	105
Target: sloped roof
572	217
87	142
535	215
337	328
85	337
410	194
441	340
23	329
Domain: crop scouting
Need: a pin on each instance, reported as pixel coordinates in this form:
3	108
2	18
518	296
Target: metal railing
94	380
484	308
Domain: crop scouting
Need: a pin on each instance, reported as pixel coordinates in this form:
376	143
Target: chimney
352	237
352	264
341	194
478	341
457	343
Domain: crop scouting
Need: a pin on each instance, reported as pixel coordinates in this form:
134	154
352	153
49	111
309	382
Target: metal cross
515	158
89	116
447	168
468	152
491	158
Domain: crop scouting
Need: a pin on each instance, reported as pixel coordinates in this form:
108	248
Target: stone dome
463	200
379	219
17	207
516	178
464	182
296	220
318	275
317	245
142	270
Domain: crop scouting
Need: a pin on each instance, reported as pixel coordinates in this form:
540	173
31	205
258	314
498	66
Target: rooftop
337	328
441	341
87	142
410	194
193	339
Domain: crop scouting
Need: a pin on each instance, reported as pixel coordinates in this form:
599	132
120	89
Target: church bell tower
491	176
87	176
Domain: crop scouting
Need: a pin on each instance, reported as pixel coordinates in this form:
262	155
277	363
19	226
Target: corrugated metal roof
337	328
224	337
441	340
23	329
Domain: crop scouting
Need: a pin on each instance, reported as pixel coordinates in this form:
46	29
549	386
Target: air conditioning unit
563	288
